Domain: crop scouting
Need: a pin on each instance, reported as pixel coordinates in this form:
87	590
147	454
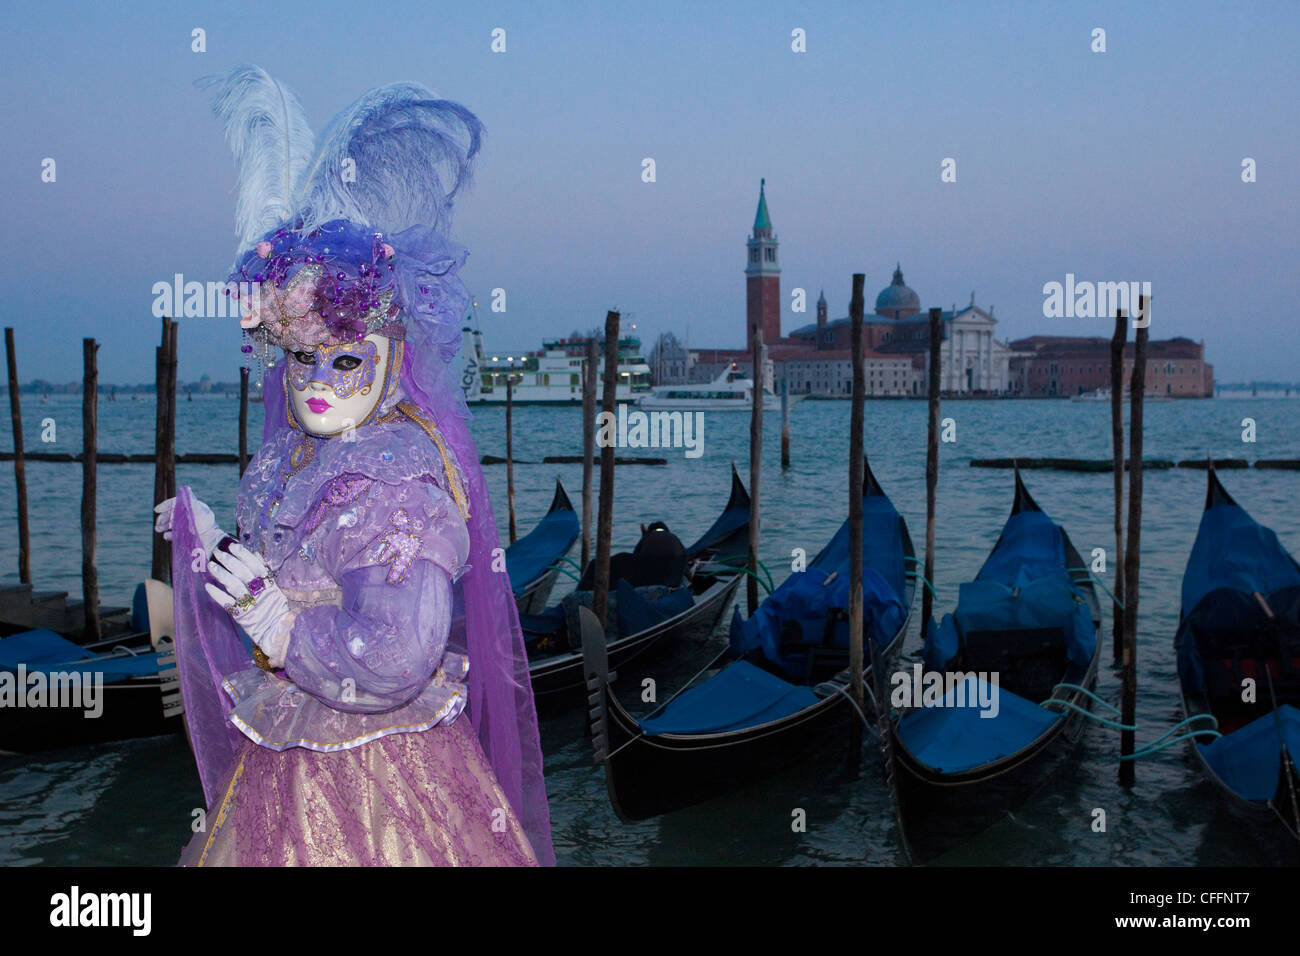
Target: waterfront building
1048	365
817	358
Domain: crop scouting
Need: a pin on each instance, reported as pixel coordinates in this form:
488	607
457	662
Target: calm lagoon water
131	802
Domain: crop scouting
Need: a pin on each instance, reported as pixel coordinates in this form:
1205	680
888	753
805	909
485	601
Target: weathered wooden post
510	454
856	476
931	466
1133	551
243	419
785	422
1117	343
605	519
89	441
755	463
164	476
20	465
589	366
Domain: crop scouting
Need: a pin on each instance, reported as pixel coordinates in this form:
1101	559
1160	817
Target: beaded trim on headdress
332	285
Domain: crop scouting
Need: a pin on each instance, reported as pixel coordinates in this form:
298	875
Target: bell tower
763	275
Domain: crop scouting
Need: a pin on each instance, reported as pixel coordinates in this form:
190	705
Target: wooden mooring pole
856	476
589	367
164	477
1133	550
20	466
785	422
1117	343
89	443
510	455
755	463
243	420
931	466
605	518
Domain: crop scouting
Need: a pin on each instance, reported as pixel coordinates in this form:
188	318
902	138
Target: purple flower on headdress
355	293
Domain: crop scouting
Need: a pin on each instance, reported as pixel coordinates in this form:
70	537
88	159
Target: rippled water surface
132	802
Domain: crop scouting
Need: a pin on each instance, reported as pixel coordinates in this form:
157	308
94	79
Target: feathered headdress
346	237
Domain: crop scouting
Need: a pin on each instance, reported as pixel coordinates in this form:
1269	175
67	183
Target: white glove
252	598
205	523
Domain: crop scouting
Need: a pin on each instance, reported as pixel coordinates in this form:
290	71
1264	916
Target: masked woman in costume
354	678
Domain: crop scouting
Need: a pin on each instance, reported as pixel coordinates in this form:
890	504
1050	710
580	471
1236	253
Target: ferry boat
1103	395
552	375
732	389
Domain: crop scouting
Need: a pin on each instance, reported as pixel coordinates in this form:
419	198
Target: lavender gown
357	753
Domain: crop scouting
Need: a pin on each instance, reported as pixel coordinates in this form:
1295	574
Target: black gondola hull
650	776
559	679
130	710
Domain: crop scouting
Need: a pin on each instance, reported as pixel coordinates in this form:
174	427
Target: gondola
533	562
1031	617
778	689
73	694
643	626
1238	652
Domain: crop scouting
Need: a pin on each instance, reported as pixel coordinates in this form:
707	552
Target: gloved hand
251	597
205	523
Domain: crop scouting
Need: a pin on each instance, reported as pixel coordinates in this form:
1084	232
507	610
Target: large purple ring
256	586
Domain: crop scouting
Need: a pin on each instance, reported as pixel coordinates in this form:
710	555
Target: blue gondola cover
805	599
45	651
536	551
740	695
953	739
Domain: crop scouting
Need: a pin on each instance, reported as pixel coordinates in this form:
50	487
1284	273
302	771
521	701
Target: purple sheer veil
500	688
273	401
207	648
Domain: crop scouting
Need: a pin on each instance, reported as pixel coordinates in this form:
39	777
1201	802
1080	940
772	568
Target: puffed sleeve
395	564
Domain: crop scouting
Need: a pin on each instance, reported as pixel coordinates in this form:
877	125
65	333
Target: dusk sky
1117	166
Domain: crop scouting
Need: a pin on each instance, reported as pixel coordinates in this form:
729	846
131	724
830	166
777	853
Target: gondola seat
952	738
1247	760
739	696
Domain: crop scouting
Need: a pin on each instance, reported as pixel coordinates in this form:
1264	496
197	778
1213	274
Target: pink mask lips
318	405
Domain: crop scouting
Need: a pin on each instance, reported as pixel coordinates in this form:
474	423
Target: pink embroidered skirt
409	799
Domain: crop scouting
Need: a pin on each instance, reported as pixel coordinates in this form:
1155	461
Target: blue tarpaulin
1024	584
1233	551
36	648
1249	759
1031	547
805	599
739	696
45	651
952	739
536	551
639	609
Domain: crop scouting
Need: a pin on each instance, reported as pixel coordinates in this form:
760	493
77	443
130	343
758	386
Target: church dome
896	300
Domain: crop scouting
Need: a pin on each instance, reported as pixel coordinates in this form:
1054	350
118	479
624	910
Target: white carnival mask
335	388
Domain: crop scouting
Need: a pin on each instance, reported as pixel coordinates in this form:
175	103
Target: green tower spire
761	218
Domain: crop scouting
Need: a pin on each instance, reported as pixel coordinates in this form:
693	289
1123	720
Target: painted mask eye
306	358
346	363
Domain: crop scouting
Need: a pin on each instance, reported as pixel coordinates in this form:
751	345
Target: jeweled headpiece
343	239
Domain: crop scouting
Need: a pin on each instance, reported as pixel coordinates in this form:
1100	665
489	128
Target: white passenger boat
552	375
731	390
1103	395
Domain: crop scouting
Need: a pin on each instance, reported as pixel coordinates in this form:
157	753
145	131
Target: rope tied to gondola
1099	583
1167	739
914	573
